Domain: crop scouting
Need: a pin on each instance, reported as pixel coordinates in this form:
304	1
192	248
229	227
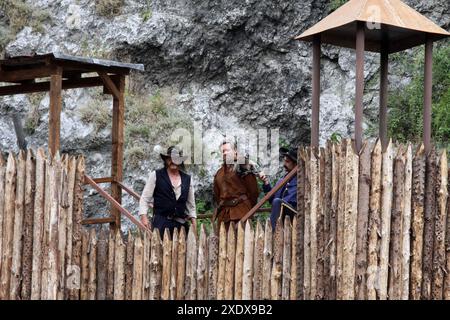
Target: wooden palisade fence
372	225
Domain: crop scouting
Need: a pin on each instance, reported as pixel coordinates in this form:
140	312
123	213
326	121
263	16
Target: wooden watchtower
383	26
55	72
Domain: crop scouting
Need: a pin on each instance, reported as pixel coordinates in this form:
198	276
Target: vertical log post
418	191
174	266
258	262
27	253
166	265
222	262
374	223
213	253
247	276
92	280
54	125
239	263
406	225
360	38
72	169
129	258
117	147
110	264
363	220
427	97
267	262
440	229
384	63
190	283
395	258
315	112
298	230
119	267
84	265
102	264
38	225
340	219
428	228
181	267
287	249
146	266
277	265
386	207
326	183
16	266
350	223
307	229
8	227
230	263
202	260
62	226
138	269
155	266
2	202
333	219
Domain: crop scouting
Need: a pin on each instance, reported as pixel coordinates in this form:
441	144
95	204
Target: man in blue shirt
284	201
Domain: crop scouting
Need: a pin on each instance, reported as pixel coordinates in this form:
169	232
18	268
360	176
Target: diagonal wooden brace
109	84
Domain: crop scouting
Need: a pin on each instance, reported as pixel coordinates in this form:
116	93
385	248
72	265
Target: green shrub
108	8
134	155
96	113
20	14
406	104
150	120
5	37
146	14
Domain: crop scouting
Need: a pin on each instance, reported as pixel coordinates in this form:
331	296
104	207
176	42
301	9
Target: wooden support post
384	62
54	125
117	148
315	92
428	82
360	35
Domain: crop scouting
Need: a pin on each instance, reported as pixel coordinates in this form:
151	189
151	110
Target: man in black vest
170	192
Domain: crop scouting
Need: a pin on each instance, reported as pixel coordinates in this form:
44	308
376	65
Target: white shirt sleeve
190	204
147	194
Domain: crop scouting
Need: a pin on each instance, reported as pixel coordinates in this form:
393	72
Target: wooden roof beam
26	74
83	67
45	86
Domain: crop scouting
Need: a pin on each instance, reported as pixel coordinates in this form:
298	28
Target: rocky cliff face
227	65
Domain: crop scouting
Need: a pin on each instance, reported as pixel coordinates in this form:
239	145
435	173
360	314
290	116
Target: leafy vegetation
19	14
146	14
151	120
406	104
96	113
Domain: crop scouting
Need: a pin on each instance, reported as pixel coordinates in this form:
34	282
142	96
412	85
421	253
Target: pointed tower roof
390	20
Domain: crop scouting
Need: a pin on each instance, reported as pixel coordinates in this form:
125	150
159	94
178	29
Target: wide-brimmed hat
291	153
175	154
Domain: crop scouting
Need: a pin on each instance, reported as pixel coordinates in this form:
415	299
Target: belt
233	202
171	216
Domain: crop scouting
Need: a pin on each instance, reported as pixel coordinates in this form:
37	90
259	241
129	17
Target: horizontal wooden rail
98	220
270	194
101	180
115	204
